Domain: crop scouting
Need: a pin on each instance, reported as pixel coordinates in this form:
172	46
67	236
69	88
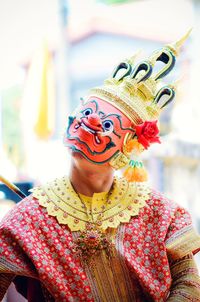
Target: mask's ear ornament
136	91
145	134
135	171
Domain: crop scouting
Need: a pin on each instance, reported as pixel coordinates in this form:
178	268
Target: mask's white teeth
105	133
87	128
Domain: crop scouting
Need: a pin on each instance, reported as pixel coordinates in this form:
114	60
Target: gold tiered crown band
133	110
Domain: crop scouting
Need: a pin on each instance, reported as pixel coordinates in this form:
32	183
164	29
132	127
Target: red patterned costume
35	245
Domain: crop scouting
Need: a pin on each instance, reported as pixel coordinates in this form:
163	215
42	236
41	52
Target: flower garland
145	134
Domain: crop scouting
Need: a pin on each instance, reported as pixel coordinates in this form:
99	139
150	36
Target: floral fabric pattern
36	245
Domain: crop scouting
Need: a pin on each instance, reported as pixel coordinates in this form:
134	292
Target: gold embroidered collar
123	202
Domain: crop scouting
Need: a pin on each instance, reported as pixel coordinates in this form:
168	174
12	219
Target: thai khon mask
97	130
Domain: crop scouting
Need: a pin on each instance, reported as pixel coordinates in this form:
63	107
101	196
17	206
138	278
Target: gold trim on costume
8	271
5	281
61	201
119	161
186	282
182	243
115	271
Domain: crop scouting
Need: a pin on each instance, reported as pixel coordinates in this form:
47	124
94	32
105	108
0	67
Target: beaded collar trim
61	201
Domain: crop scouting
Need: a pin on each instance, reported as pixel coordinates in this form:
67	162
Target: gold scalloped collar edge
62	202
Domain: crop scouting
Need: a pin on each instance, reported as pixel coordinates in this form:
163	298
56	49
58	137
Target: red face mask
97	131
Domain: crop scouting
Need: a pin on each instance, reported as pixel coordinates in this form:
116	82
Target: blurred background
53	51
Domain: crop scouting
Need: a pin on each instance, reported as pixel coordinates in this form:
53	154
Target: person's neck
90	181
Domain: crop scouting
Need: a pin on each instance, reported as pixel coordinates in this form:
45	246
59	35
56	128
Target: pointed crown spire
135	89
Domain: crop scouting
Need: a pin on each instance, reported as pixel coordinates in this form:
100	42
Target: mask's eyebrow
95	103
101	114
120	121
111	114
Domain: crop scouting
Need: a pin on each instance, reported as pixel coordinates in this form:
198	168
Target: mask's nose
94	121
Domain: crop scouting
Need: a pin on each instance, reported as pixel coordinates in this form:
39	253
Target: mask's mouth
85	127
97	131
88	129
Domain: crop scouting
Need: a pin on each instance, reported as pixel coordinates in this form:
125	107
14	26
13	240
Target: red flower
147	133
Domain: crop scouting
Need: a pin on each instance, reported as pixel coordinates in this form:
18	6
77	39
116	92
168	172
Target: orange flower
133	174
133	144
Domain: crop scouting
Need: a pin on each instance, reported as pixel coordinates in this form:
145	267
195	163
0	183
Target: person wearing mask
93	236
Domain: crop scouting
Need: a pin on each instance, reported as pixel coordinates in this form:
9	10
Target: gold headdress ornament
138	92
135	90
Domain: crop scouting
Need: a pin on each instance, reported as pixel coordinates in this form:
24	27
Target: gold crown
135	89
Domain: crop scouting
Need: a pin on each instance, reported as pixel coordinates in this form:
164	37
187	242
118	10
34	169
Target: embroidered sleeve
181	237
185	281
14	259
7	269
5	281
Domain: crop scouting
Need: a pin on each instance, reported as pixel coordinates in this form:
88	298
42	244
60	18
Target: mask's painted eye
87	111
107	125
